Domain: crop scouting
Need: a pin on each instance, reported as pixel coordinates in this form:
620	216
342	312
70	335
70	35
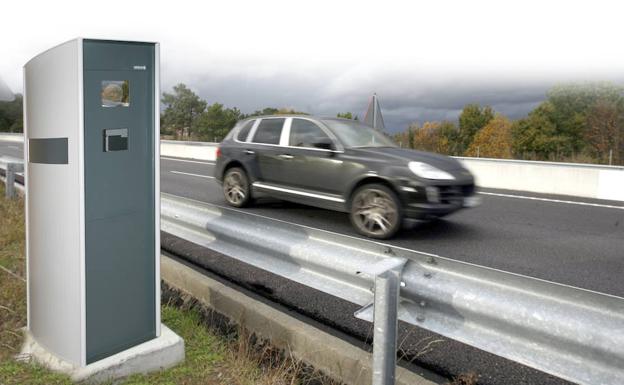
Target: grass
465	379
212	357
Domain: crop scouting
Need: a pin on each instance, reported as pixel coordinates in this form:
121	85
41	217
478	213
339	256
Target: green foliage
472	118
537	136
576	122
11	115
570	106
187	116
216	122
410	137
449	137
182	110
204	351
605	131
347	115
264	112
275	111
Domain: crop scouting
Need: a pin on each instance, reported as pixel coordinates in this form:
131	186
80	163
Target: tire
375	211
236	188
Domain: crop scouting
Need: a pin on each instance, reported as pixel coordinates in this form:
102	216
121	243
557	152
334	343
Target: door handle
250	152
285	156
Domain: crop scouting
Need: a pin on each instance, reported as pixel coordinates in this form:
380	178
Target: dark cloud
405	96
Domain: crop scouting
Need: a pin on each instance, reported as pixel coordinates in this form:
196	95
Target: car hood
404	155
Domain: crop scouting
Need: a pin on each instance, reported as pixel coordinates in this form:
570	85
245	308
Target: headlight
427	171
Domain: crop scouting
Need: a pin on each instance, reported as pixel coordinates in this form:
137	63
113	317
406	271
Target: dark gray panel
119	202
117	55
49	151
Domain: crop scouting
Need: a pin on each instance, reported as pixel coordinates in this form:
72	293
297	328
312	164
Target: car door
264	148
303	164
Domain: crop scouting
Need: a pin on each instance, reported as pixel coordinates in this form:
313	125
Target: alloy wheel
375	213
235	188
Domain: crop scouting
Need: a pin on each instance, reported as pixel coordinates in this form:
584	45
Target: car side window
269	131
305	133
244	131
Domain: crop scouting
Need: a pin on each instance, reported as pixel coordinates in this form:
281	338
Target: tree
449	139
410	137
427	137
182	110
472	118
440	137
537	137
216	122
11	119
605	130
493	140
347	115
263	112
273	111
289	111
571	104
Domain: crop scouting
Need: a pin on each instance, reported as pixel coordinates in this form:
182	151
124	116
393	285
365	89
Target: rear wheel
376	211
236	189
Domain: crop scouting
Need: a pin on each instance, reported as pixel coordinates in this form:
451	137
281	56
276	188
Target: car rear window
269	131
244	131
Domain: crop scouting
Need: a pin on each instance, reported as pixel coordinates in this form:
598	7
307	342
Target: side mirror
323	143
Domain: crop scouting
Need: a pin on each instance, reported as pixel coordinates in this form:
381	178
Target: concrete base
157	354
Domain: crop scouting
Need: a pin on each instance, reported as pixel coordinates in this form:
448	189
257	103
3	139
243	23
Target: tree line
576	123
11	115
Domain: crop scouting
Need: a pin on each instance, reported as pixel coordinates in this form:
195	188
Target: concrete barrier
11	137
190	150
176	148
575	179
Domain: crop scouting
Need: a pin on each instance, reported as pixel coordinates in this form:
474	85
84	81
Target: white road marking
553	200
14	147
186	161
189	174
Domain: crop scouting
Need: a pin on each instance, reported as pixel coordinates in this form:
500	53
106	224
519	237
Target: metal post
9	192
610	157
387	287
11	169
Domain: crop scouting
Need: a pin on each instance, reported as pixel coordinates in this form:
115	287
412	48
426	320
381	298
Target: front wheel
376	211
236	187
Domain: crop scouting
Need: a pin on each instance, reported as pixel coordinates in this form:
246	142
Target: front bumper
437	200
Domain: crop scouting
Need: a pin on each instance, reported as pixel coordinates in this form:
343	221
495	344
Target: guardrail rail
571	333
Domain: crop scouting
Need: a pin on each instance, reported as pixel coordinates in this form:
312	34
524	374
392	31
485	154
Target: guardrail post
11	169
387	286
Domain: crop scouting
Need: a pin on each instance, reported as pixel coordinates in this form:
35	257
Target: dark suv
343	165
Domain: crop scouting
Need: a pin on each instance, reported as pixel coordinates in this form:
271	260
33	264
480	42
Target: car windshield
355	134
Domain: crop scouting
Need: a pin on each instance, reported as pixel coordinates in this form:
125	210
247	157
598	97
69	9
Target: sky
425	60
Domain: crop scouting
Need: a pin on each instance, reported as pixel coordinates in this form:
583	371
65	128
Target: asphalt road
11	149
579	242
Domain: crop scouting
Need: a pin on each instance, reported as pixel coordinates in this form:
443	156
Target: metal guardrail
9	169
571	333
